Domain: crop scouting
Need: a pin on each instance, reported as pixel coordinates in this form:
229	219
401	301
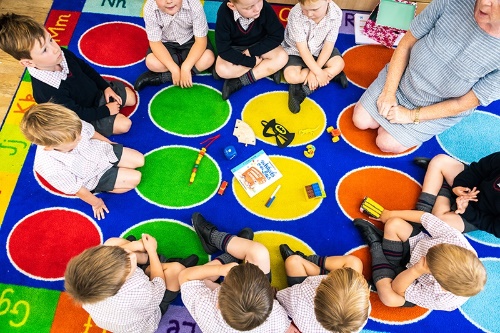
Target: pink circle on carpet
125	44
128	110
41	244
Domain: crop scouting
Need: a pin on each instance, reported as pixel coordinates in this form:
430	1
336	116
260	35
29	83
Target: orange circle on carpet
125	44
364	62
390	188
362	140
380	312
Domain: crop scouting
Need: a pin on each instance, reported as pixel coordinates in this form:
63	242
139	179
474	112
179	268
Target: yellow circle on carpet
307	125
272	240
291	202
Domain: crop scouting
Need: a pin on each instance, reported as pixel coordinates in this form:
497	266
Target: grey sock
220	239
425	202
226	258
381	268
166	77
393	251
306	89
319	261
247	78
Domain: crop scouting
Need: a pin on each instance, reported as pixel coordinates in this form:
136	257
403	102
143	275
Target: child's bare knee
258	252
131	99
293	261
354	262
173	269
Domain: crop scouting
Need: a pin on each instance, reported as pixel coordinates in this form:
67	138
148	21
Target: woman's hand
399	115
384	103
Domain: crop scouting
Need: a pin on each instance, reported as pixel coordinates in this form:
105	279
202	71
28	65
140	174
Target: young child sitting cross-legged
75	159
435	268
248	35
244	301
310	35
119	296
178	44
325	294
57	75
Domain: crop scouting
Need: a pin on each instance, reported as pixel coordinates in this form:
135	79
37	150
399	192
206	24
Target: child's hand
224	269
462	203
114	108
150	244
322	78
99	209
311	81
465	191
176	76
108	92
186	79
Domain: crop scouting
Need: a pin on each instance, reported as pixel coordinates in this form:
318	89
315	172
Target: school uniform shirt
485	176
79	87
300	28
134	309
426	291
81	167
201	303
262	35
189	21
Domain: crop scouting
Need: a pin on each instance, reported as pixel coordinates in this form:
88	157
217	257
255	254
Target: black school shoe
150	78
230	86
203	229
422	162
296	96
286	251
342	79
370	233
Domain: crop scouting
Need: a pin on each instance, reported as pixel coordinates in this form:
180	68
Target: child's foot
422	162
342	79
230	86
286	251
204	228
370	233
150	78
296	96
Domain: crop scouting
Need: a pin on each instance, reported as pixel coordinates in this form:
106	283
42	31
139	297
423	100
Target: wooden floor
10	69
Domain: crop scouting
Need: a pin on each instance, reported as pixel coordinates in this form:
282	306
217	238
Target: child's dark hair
18	34
97	273
245	297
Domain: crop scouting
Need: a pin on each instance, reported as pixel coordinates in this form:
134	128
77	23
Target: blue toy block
230	152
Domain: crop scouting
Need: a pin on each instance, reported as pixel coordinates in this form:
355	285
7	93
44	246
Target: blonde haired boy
57	75
179	47
310	36
118	295
75	159
325	294
427	263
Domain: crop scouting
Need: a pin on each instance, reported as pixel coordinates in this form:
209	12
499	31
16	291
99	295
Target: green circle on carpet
194	111
166	173
175	239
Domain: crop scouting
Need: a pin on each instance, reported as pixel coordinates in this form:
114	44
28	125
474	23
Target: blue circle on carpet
480	310
484	237
472	138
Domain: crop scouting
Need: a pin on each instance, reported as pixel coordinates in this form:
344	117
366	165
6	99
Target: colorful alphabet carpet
43	228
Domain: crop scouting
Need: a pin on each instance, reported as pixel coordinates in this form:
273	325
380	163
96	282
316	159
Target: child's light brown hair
50	125
18	34
456	269
96	274
303	2
342	301
245	297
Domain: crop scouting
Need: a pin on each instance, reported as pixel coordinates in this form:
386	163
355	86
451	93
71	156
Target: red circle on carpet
125	44
45	184
42	243
127	111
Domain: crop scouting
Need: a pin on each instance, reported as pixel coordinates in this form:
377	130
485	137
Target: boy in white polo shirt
179	47
310	35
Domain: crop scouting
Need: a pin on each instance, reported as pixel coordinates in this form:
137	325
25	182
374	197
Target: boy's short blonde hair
245	297
342	301
18	34
50	125
97	273
456	269
303	2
